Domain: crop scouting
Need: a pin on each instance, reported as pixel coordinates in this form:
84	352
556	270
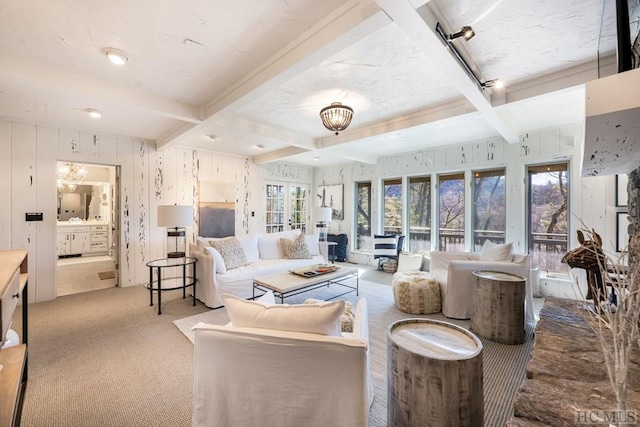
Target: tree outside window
419	214
392	206
451	215
489	208
363	215
548	222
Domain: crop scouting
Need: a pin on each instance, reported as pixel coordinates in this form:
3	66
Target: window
363	215
275	208
392	209
419	214
451	215
298	207
489	216
548	199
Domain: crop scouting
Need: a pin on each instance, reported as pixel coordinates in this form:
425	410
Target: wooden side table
183	281
434	375
498	306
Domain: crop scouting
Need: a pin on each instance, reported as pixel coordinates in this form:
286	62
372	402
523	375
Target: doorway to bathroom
87	227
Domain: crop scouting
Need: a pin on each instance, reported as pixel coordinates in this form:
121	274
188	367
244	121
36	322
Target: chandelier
70	174
336	117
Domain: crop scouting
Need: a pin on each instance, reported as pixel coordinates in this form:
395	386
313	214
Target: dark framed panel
622	228
621	190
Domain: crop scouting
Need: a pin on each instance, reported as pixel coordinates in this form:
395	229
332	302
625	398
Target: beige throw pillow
231	252
494	252
295	248
348	317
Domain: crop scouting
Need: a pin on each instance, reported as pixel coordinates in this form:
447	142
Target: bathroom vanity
82	237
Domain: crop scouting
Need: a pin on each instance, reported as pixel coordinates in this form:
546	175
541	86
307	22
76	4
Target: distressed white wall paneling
570	137
23	191
530	144
170	174
459	155
127	212
68	145
90	146
594	190
550	141
184	195
108	149
439	159
140	218
511	151
495	149
244	188
206	166
480	153
5	185
156	234
46	202
195	190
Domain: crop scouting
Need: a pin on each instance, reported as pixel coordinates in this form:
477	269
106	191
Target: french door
286	206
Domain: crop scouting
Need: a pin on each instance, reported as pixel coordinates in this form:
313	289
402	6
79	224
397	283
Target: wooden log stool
498	306
416	292
434	375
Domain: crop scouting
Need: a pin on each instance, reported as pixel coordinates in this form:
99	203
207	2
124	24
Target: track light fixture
465	32
448	40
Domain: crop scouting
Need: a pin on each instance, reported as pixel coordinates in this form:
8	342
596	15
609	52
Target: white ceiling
258	72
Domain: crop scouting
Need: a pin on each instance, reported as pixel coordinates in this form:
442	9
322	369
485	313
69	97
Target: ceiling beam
351	22
276	155
52	79
292	138
420	25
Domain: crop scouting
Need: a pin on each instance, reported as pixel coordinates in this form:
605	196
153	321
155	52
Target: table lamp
176	218
323	217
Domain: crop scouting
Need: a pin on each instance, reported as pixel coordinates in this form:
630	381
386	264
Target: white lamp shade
175	216
323	214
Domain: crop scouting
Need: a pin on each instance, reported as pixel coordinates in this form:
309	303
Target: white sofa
454	272
248	377
264	255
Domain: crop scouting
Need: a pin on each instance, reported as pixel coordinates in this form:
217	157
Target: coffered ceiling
231	75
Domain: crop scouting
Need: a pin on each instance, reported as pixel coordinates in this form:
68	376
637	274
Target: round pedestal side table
434	372
498	306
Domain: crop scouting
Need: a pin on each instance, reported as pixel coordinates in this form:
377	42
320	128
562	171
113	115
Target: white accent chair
248	377
454	272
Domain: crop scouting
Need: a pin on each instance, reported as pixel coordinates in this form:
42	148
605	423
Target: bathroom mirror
83	202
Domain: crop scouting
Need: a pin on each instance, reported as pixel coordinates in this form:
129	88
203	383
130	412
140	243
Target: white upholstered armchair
453	270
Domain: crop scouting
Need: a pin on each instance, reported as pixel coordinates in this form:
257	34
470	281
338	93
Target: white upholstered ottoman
416	292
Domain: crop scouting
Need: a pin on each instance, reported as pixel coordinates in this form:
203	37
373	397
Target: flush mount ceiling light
116	56
336	117
465	32
260	146
96	114
211	137
448	40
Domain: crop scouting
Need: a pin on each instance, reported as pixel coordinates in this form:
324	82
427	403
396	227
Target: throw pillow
409	262
218	262
231	252
312	244
250	247
384	246
494	252
348	317
269	244
295	248
321	319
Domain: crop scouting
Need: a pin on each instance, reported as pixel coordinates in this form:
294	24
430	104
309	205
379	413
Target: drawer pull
16	295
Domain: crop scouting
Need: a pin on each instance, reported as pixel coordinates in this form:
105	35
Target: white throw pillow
250	247
268	298
409	262
218	262
494	252
321	318
269	244
312	244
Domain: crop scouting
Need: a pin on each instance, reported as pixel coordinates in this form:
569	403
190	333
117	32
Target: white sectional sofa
264	256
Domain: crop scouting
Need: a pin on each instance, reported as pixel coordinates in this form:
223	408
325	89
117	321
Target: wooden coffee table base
286	285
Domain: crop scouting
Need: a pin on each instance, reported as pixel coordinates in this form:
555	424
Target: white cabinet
99	238
73	240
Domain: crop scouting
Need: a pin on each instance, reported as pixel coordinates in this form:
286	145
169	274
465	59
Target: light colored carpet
504	365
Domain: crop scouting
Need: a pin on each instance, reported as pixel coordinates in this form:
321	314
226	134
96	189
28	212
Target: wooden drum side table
498	306
170	283
435	378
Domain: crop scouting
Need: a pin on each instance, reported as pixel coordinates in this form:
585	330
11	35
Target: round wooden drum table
498	306
434	373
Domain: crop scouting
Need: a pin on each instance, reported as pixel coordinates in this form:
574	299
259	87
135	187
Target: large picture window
392	209
363	216
451	215
489	208
548	201
419	214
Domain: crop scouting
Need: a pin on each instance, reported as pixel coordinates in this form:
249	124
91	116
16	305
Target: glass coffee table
288	284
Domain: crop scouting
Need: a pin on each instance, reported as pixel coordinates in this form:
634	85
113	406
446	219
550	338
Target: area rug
503	365
104	275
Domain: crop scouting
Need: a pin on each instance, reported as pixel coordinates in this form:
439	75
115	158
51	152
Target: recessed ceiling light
316	158
116	56
96	114
211	137
260	146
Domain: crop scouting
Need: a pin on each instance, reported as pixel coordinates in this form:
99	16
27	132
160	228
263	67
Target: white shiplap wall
591	199
147	178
